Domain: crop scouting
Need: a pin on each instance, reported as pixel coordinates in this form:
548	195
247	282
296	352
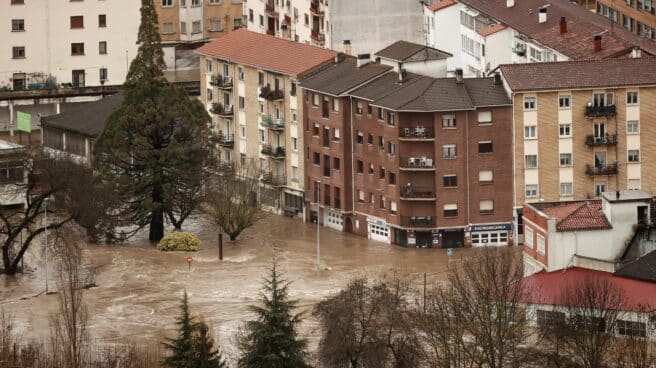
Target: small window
195	27
531	190
485	117
450	181
530	132
102	47
449	151
315	99
360	167
565	130
167	28
103	74
370	138
242	159
529	103
631	328
292	89
18	52
392	207
371	168
262	136
633	127
102	20
381	114
208	66
450	210
381	173
336	134
391	178
167	3
486	207
634	155
485	147
448	121
485	177
565	159
77	21
242	131
361	195
240	73
632	98
381	143
335	105
294	144
315	129
372	198
528	236
359	108
215	25
566	189
242	102
531	161
260	82
391	118
336	163
564	101
77	49
17	25
316	158
359	138
370	109
541	244
391	148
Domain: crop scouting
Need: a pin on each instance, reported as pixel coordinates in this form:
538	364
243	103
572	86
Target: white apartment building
70	43
482	35
354	27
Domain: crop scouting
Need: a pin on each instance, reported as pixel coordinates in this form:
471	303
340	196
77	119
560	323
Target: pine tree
205	355
155	148
271	341
181	348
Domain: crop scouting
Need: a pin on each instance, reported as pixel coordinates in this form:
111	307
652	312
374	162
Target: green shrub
179	240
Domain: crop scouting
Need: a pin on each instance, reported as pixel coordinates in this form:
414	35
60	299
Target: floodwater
139	288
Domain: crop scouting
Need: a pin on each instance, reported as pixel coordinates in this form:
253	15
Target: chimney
339	57
402	75
347	47
617	194
497	79
459	75
510	3
563	25
542	15
597	43
636	52
363	59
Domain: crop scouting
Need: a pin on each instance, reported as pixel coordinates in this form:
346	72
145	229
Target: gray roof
643	268
341	77
88	118
410	52
483	92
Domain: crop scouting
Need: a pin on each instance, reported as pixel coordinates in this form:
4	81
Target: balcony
315	9
273	179
221	82
414	193
271	9
270	94
274	124
225	166
607	140
226	140
423	163
600	111
417	221
519	50
601	170
318	37
418	133
276	153
219	109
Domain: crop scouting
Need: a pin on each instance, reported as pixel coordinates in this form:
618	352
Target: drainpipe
514	186
467	164
352	160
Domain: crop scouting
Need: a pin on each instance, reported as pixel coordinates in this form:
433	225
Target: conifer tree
181	348
271	340
206	356
155	147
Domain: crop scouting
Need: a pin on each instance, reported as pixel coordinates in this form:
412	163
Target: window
250	15
566	189
18	52
372	198
485	117
528	236
391	178
316	158
215	25
103	74
485	147
450	210
336	163
335	105
292	90
600	187
17	25
531	161
242	102
391	148
450	181
336	134
102	20
564	101
632	127
565	130
471	47
382	203
167	28
240	73
485	177
633	184
392	207
77	49
261	107
195	2
370	138
361	195
261	134
167	3
183	28
359	139
208	66
391	118
370	109
195	27
315	99
242	131
371	168
486	207
102	47
315	129
260	82
634	155
295	173
530	132
307	19
631	328
448	121
603	99
77	21
550	318
529	103
215	2
565	159
531	190
381	173
381	114
381	143
360	167
17	2
449	151
632	98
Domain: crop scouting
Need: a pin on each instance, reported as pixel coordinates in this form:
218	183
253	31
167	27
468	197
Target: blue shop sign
496	227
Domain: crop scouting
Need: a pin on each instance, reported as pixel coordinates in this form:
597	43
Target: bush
179	240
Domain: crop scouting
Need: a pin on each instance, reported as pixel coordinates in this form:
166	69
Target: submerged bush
179	240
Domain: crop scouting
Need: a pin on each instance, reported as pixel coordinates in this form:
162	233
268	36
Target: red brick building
408	159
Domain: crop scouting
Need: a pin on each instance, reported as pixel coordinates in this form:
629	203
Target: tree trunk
233	236
156	225
8	266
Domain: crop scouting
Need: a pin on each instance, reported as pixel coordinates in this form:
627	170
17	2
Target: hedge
179	240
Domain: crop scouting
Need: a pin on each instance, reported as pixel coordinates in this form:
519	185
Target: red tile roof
267	52
547	287
491	29
583	215
441	5
580	74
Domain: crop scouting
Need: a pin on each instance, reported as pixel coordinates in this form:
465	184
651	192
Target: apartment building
637	16
351	26
72	43
408	159
482	34
249	83
185	24
582	127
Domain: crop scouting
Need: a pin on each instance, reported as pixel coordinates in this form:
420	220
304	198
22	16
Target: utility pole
318	227
45	219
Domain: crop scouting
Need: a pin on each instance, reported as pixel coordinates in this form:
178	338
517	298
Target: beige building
249	85
582	128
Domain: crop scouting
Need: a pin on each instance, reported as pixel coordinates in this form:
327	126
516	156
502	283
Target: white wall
444	33
431	68
496	48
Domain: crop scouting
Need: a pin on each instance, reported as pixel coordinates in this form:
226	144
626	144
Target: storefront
490	235
452	238
378	229
293	203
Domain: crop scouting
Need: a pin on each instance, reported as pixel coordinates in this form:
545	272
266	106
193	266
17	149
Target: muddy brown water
139	288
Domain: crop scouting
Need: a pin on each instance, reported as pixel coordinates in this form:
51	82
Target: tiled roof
580	74
441	5
579	215
547	288
643	268
492	29
483	92
267	52
582	26
87	118
408	51
340	77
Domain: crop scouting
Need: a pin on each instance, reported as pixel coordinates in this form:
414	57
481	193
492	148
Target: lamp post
318	227
45	220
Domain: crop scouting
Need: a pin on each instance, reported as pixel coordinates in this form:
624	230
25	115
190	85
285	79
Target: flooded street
139	288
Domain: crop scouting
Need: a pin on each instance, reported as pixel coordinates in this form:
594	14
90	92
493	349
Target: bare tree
233	201
635	350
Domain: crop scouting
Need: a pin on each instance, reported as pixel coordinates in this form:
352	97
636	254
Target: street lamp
45	221
318	227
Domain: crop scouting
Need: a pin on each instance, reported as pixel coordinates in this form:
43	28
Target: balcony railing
271	94
416	133
318	37
219	109
315	8
607	140
600	111
271	9
418	221
274	179
272	123
225	166
412	192
273	152
221	81
226	140
417	163
601	170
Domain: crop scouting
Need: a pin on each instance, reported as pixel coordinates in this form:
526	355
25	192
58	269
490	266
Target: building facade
76	43
636	16
351	26
249	85
577	135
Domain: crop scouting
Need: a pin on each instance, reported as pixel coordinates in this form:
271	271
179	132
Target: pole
45	218
318	227
424	292
220	246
